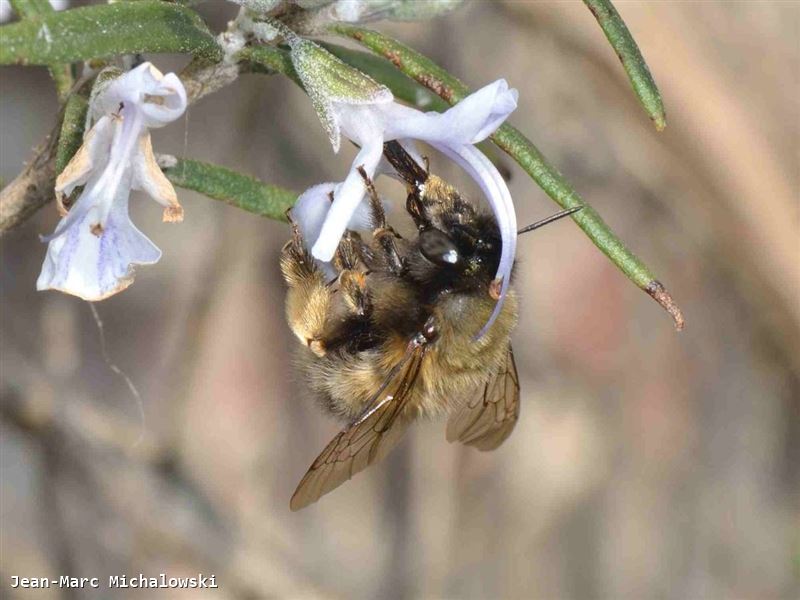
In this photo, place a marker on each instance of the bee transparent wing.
(488, 418)
(368, 439)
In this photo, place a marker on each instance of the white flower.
(370, 117)
(94, 248)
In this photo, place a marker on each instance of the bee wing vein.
(489, 417)
(368, 439)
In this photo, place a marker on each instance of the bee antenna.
(550, 219)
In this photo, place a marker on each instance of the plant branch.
(33, 187)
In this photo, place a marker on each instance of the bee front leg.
(352, 279)
(308, 300)
(385, 236)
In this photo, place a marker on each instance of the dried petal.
(148, 177)
(93, 154)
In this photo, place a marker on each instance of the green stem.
(516, 145)
(236, 189)
(632, 60)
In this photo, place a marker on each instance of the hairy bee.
(393, 336)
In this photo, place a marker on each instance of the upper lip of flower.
(372, 117)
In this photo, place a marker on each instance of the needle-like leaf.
(236, 189)
(106, 30)
(631, 57)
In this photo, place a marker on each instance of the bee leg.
(384, 235)
(352, 280)
(308, 300)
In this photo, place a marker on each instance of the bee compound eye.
(438, 248)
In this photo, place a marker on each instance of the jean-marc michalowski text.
(116, 581)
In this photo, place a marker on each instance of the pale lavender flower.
(353, 105)
(95, 246)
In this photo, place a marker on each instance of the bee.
(392, 337)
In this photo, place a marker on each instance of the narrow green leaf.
(61, 73)
(522, 150)
(106, 30)
(269, 60)
(632, 60)
(71, 136)
(236, 189)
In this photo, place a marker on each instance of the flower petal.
(310, 210)
(360, 124)
(148, 177)
(164, 102)
(92, 266)
(161, 98)
(470, 121)
(313, 206)
(92, 155)
(346, 201)
(494, 187)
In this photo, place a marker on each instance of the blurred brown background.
(646, 464)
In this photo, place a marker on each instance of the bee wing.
(488, 418)
(368, 439)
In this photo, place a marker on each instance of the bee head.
(458, 248)
(457, 255)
